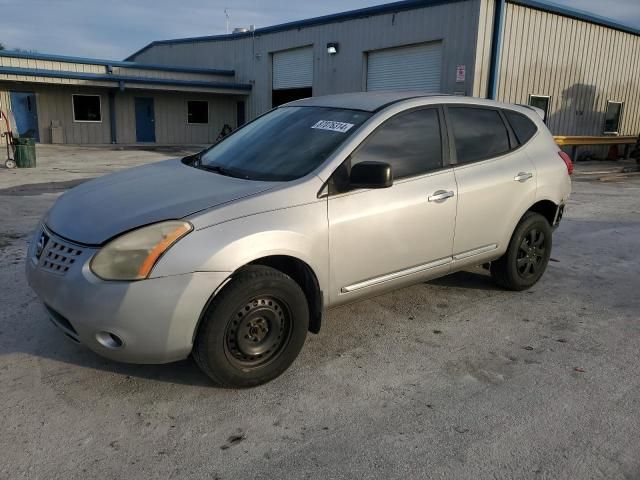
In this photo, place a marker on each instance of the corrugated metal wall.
(171, 117)
(483, 50)
(54, 103)
(51, 65)
(455, 24)
(75, 67)
(5, 105)
(579, 64)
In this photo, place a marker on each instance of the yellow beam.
(606, 140)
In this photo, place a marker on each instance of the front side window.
(542, 102)
(197, 112)
(285, 144)
(612, 117)
(87, 108)
(409, 142)
(479, 133)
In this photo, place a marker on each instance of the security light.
(332, 48)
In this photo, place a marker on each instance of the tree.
(1, 46)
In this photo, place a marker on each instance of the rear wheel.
(253, 329)
(528, 254)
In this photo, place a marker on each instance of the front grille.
(58, 256)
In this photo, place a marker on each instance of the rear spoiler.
(539, 111)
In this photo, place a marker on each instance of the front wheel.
(254, 328)
(528, 254)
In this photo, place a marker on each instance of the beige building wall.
(5, 106)
(54, 104)
(578, 64)
(171, 117)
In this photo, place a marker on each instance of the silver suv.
(233, 254)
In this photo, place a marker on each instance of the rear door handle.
(441, 195)
(523, 176)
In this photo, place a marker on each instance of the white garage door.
(418, 67)
(293, 68)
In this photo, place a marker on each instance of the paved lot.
(449, 379)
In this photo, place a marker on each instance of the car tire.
(253, 329)
(528, 254)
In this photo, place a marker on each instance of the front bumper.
(155, 318)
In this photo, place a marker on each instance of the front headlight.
(132, 255)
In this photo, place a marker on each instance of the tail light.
(567, 161)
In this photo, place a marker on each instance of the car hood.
(100, 209)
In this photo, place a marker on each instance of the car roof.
(367, 101)
(376, 101)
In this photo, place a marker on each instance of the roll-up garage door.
(417, 67)
(293, 68)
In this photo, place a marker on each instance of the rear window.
(479, 133)
(521, 125)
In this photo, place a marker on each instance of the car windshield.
(285, 144)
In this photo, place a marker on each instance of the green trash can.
(25, 152)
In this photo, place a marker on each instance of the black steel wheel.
(527, 256)
(258, 332)
(253, 329)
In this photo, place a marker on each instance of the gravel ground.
(449, 379)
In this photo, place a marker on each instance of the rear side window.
(479, 133)
(521, 125)
(409, 142)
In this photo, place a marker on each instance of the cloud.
(116, 28)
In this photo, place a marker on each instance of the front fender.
(300, 232)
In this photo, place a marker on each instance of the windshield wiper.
(220, 170)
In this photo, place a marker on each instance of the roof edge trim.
(35, 72)
(114, 63)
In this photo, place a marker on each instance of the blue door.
(145, 120)
(25, 113)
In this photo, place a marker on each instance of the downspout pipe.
(496, 49)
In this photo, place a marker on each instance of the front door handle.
(441, 195)
(523, 176)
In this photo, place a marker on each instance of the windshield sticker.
(333, 126)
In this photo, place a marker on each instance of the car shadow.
(475, 280)
(53, 345)
(34, 189)
(184, 372)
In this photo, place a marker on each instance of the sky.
(113, 29)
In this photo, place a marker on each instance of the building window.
(612, 117)
(87, 108)
(542, 102)
(197, 112)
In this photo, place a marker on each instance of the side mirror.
(371, 175)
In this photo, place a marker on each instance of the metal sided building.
(57, 99)
(583, 70)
